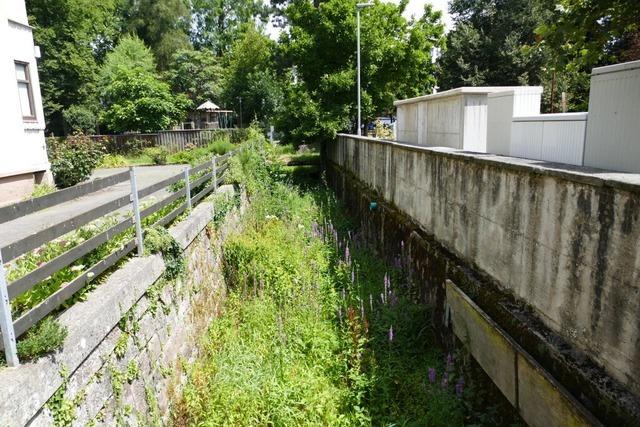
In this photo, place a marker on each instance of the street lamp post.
(358, 7)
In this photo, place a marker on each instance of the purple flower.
(347, 255)
(450, 360)
(353, 276)
(432, 375)
(445, 380)
(460, 387)
(391, 333)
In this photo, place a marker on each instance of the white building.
(23, 154)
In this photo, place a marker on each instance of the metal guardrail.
(9, 291)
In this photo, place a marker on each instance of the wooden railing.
(208, 173)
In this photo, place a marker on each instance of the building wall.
(563, 241)
(22, 143)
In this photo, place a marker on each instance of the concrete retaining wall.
(563, 241)
(122, 359)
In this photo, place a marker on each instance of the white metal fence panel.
(551, 137)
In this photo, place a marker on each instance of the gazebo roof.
(208, 106)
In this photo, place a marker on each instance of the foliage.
(113, 161)
(382, 131)
(42, 189)
(250, 78)
(47, 336)
(158, 155)
(138, 101)
(158, 240)
(220, 146)
(485, 47)
(396, 60)
(197, 74)
(73, 159)
(79, 119)
(130, 53)
(302, 340)
(162, 24)
(219, 23)
(73, 36)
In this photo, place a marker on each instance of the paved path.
(20, 228)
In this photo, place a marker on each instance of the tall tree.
(198, 74)
(162, 24)
(134, 98)
(485, 47)
(218, 23)
(73, 36)
(396, 60)
(250, 82)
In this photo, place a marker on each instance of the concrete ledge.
(580, 174)
(26, 389)
(538, 397)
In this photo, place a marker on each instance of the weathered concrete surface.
(539, 399)
(430, 262)
(565, 241)
(152, 329)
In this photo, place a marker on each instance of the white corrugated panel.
(526, 139)
(613, 131)
(563, 141)
(475, 123)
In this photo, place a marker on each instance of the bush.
(158, 155)
(79, 118)
(220, 146)
(74, 159)
(113, 161)
(158, 240)
(45, 337)
(43, 189)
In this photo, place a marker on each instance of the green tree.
(250, 77)
(162, 24)
(485, 47)
(396, 61)
(198, 74)
(217, 24)
(134, 97)
(73, 36)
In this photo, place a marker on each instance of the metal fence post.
(187, 187)
(136, 210)
(214, 173)
(6, 322)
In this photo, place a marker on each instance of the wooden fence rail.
(208, 174)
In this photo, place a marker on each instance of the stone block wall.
(123, 358)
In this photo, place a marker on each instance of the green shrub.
(158, 155)
(79, 118)
(74, 159)
(45, 337)
(43, 189)
(113, 161)
(220, 146)
(158, 240)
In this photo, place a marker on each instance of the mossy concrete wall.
(123, 358)
(523, 238)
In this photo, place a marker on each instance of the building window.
(25, 91)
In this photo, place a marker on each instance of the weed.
(48, 335)
(158, 240)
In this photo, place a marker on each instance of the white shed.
(23, 154)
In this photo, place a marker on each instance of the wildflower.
(391, 333)
(460, 387)
(432, 375)
(347, 255)
(353, 276)
(445, 380)
(79, 267)
(371, 302)
(382, 298)
(361, 309)
(450, 360)
(393, 300)
(90, 275)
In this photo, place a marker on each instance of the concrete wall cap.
(556, 117)
(625, 66)
(581, 174)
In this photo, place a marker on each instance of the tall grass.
(317, 330)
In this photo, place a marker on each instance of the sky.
(414, 8)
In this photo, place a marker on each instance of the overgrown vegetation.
(73, 159)
(45, 337)
(158, 240)
(317, 330)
